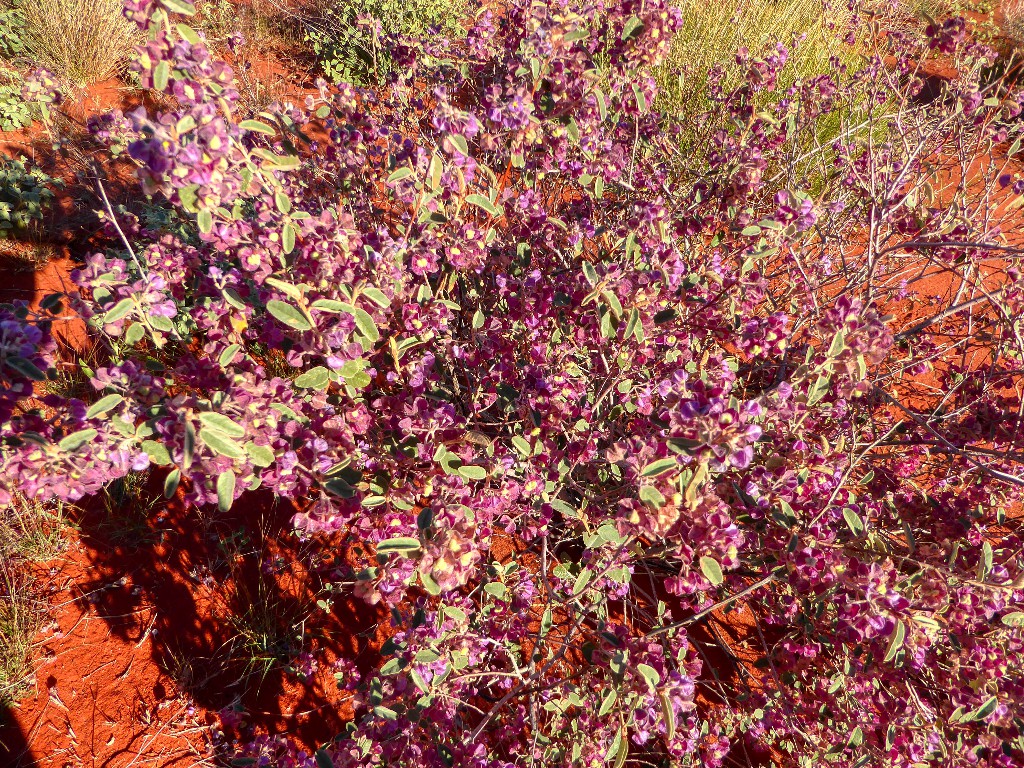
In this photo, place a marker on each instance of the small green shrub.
(12, 27)
(15, 112)
(349, 48)
(25, 194)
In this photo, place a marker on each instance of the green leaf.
(26, 368)
(459, 142)
(838, 344)
(288, 315)
(292, 291)
(985, 563)
(365, 324)
(103, 405)
(189, 448)
(752, 231)
(986, 709)
(659, 467)
(134, 334)
(278, 162)
(205, 221)
(335, 307)
(482, 202)
(853, 521)
(650, 674)
(221, 423)
(314, 378)
(712, 570)
(617, 751)
(400, 544)
(856, 737)
(284, 205)
(431, 586)
(228, 355)
(218, 443)
(179, 6)
(426, 656)
(566, 509)
(652, 497)
(161, 75)
(522, 446)
(122, 309)
(613, 302)
(899, 634)
(398, 175)
(171, 483)
(582, 581)
(1015, 619)
(157, 452)
(225, 490)
(288, 237)
(232, 297)
(819, 389)
(188, 33)
(478, 320)
(258, 126)
(377, 296)
(607, 701)
(76, 440)
(631, 323)
(496, 589)
(590, 273)
(323, 759)
(260, 455)
(340, 488)
(472, 472)
(632, 28)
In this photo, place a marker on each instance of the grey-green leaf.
(103, 405)
(225, 490)
(712, 570)
(315, 378)
(219, 443)
(221, 423)
(76, 440)
(399, 544)
(288, 315)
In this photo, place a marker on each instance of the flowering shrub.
(582, 403)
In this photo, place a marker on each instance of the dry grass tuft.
(80, 41)
(20, 619)
(1012, 23)
(712, 33)
(28, 531)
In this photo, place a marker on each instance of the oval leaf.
(221, 423)
(712, 570)
(225, 490)
(288, 315)
(103, 405)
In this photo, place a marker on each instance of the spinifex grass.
(80, 41)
